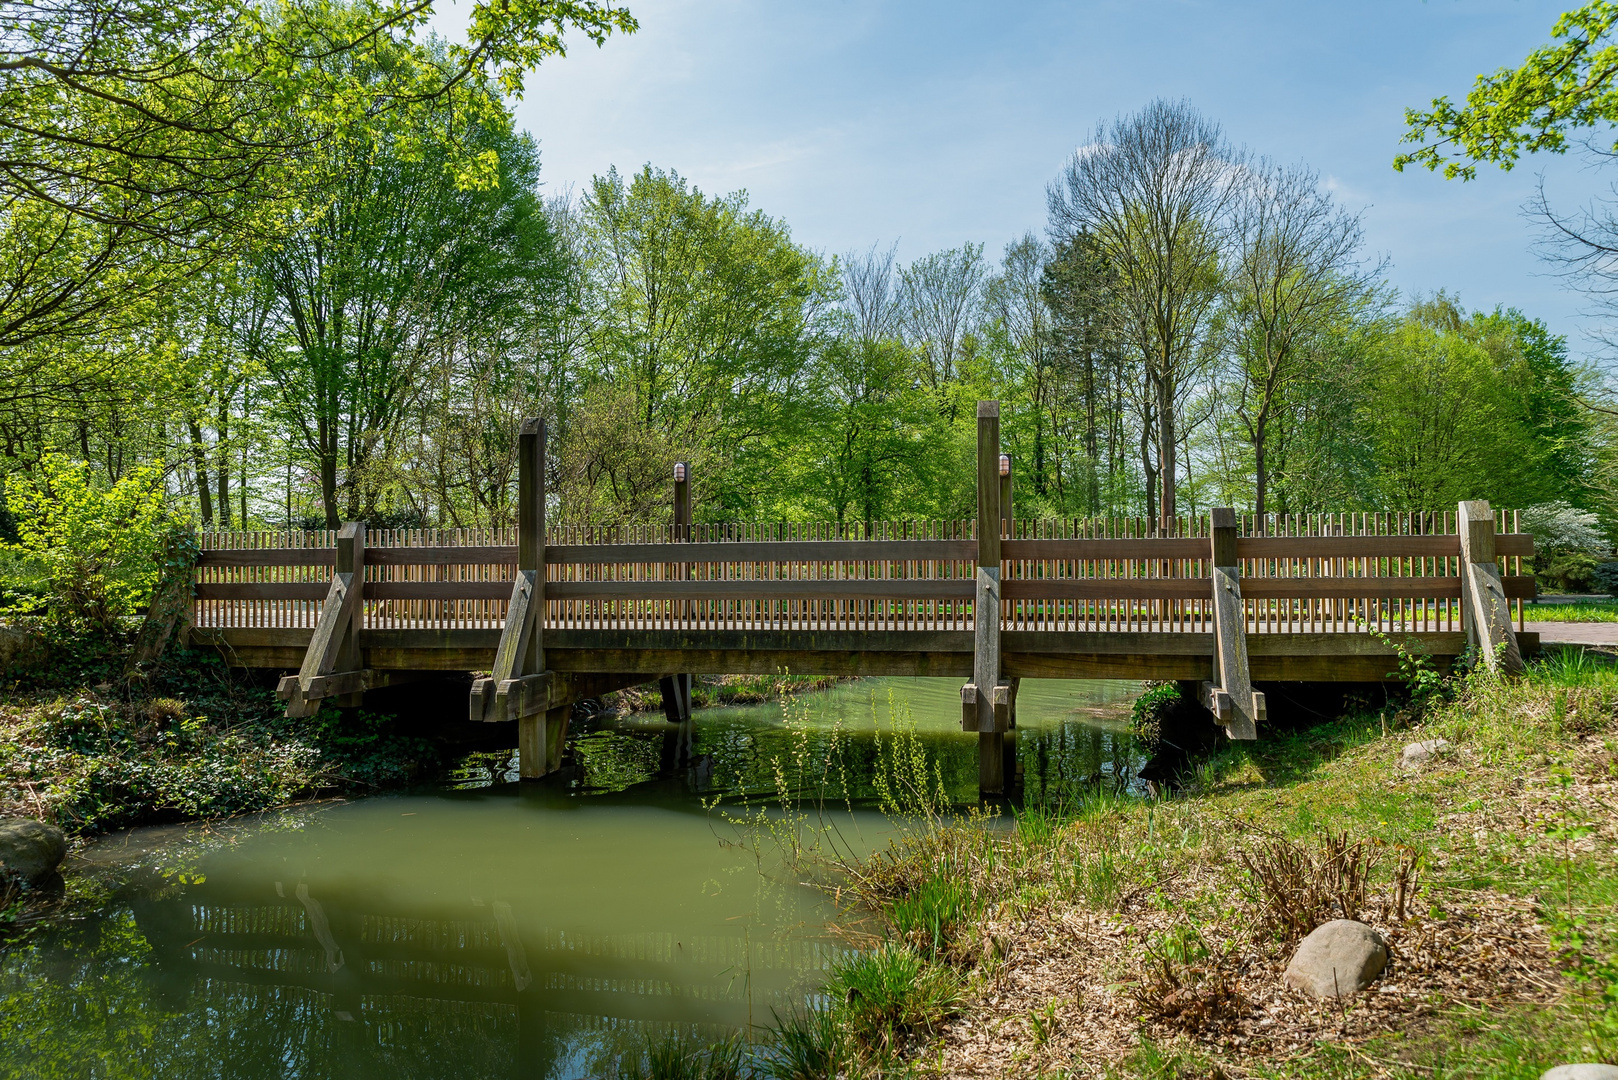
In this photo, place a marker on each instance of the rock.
(1337, 959)
(1582, 1072)
(21, 650)
(29, 849)
(1419, 753)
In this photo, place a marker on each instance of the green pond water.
(485, 928)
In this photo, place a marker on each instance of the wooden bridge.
(559, 613)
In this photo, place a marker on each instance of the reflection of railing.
(479, 955)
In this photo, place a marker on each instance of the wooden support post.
(335, 646)
(1230, 697)
(676, 688)
(991, 696)
(1485, 611)
(519, 687)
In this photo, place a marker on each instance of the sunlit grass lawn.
(1586, 611)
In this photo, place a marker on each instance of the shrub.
(892, 993)
(1605, 578)
(678, 1057)
(97, 546)
(806, 1045)
(1146, 715)
(932, 916)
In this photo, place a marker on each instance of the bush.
(892, 992)
(1605, 578)
(97, 546)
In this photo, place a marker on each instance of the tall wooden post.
(532, 750)
(1485, 611)
(676, 689)
(986, 608)
(1008, 737)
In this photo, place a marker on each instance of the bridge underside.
(1288, 657)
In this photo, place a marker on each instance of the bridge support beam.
(1485, 611)
(986, 702)
(331, 665)
(519, 687)
(1230, 696)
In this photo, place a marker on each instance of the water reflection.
(492, 929)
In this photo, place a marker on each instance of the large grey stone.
(1419, 753)
(30, 849)
(1582, 1072)
(1337, 959)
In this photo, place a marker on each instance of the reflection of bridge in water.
(1217, 603)
(374, 968)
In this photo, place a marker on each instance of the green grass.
(1585, 611)
(1521, 805)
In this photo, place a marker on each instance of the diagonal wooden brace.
(302, 691)
(502, 695)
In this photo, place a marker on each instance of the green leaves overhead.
(1560, 88)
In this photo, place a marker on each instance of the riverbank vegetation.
(88, 747)
(1126, 936)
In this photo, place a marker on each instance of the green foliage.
(100, 546)
(1605, 578)
(932, 916)
(1147, 712)
(892, 992)
(807, 1044)
(679, 1057)
(1558, 89)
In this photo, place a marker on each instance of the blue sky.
(934, 123)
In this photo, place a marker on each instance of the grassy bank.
(1126, 937)
(1132, 937)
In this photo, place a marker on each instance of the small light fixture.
(679, 472)
(1005, 464)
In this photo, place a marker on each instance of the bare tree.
(941, 295)
(1294, 273)
(870, 294)
(1153, 191)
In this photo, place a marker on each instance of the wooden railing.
(1328, 573)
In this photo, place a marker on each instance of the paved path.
(1575, 633)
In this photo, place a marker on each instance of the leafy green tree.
(98, 543)
(366, 293)
(706, 314)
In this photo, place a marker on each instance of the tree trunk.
(1166, 448)
(199, 462)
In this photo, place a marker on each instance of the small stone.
(1337, 959)
(30, 849)
(1585, 1071)
(1419, 753)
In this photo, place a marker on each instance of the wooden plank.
(1333, 547)
(747, 551)
(262, 590)
(855, 588)
(1436, 588)
(487, 555)
(1152, 547)
(437, 590)
(986, 642)
(331, 639)
(323, 556)
(1230, 659)
(1514, 544)
(1106, 588)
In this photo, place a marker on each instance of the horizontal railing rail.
(1342, 572)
